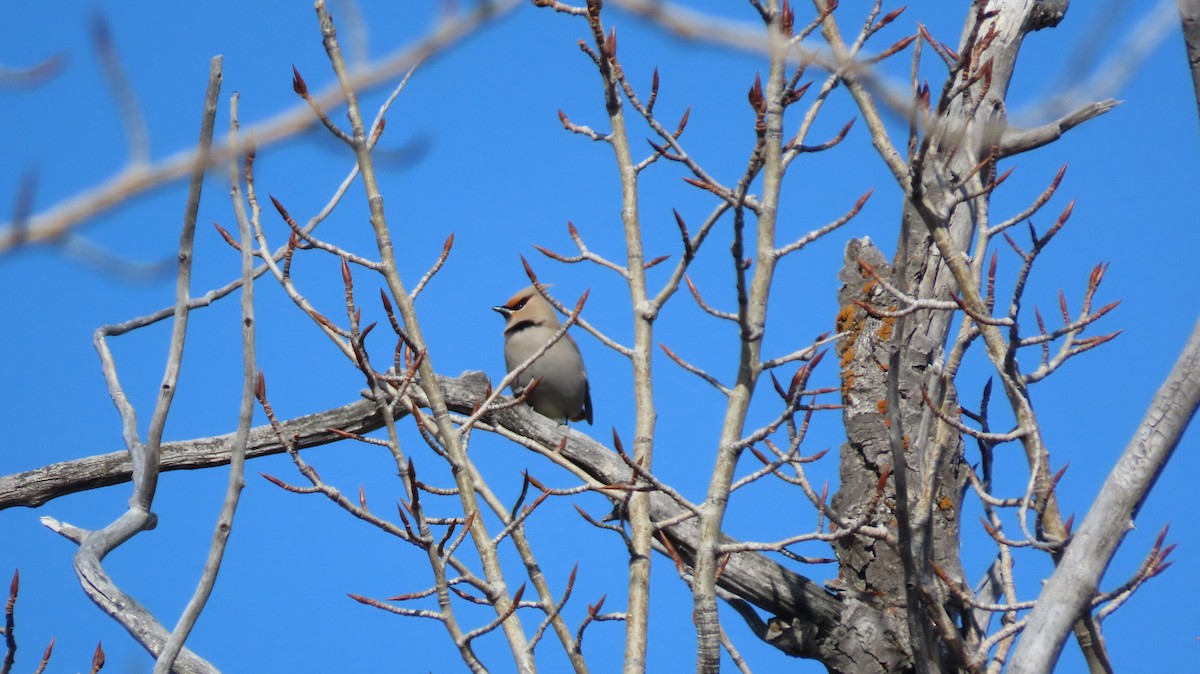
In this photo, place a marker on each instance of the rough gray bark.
(35, 487)
(964, 131)
(872, 569)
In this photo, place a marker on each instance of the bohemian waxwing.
(563, 393)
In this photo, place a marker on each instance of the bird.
(562, 393)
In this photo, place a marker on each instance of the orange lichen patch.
(905, 439)
(944, 503)
(847, 384)
(846, 318)
(881, 406)
(888, 324)
(849, 320)
(847, 356)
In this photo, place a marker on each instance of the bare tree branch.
(137, 179)
(95, 545)
(237, 481)
(1074, 582)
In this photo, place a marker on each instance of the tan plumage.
(563, 393)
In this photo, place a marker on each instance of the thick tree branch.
(752, 576)
(35, 487)
(1016, 141)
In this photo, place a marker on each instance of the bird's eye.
(521, 304)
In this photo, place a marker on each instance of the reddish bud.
(1159, 569)
(899, 45)
(925, 33)
(679, 221)
(279, 207)
(298, 84)
(657, 260)
(798, 381)
(593, 610)
(1058, 476)
(582, 301)
(228, 237)
(988, 527)
(778, 387)
(1067, 212)
(534, 481)
(529, 270)
(1162, 536)
(98, 658)
(617, 444)
(1097, 275)
(756, 95)
(798, 93)
(1002, 177)
(683, 121)
(890, 17)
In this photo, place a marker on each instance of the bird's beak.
(503, 311)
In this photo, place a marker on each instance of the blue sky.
(474, 146)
